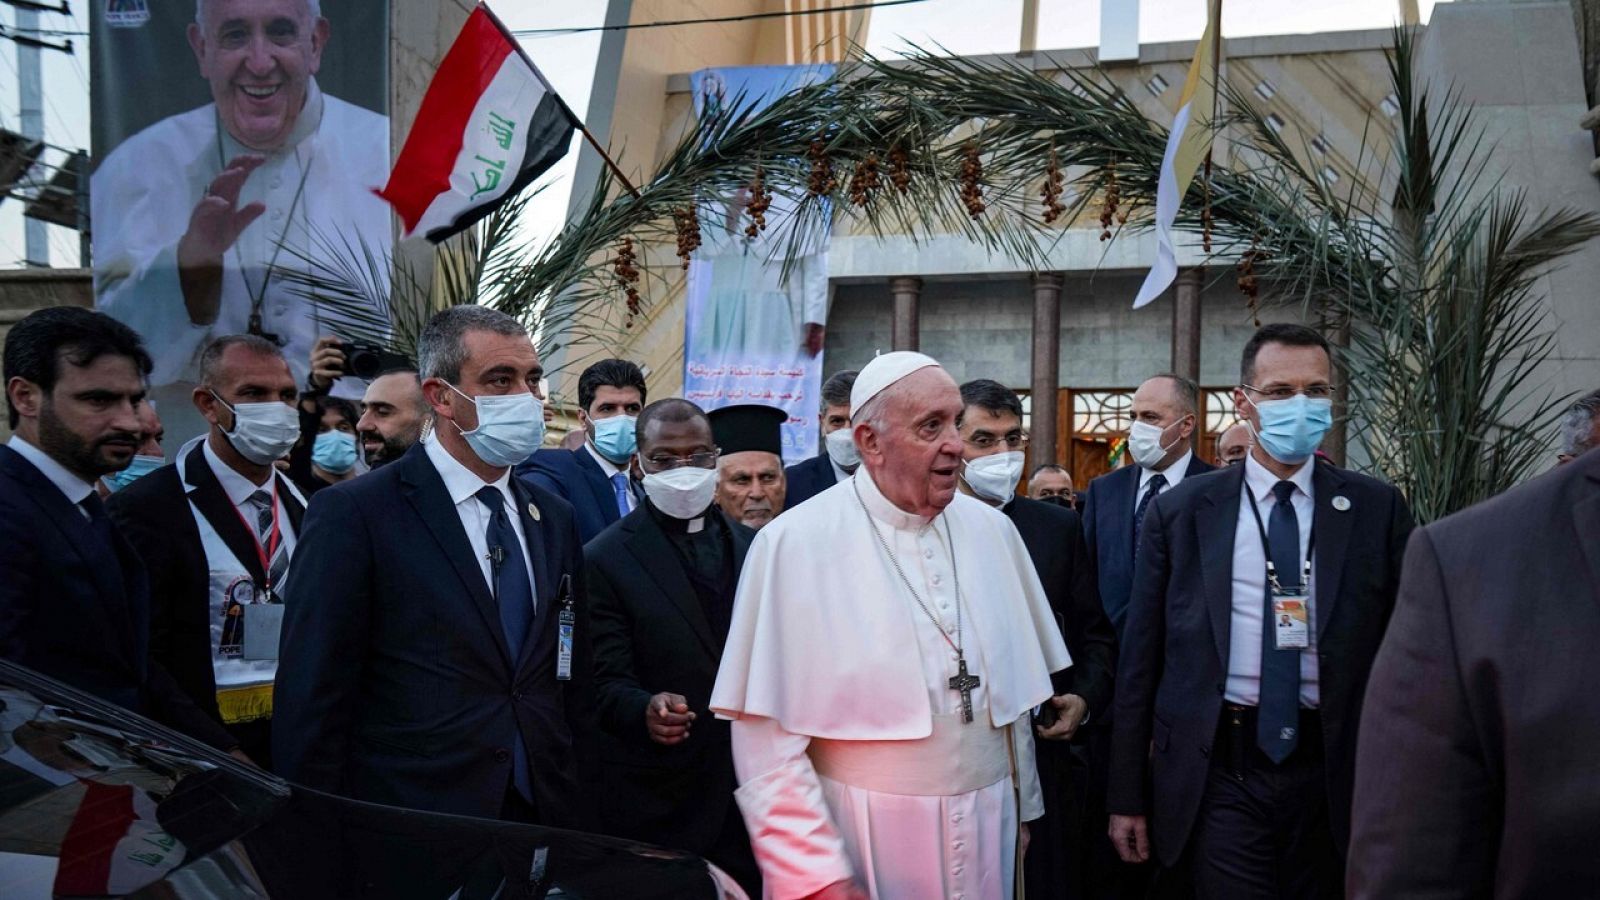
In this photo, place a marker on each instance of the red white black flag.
(489, 125)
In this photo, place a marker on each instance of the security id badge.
(263, 622)
(564, 627)
(1291, 619)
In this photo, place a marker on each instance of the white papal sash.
(957, 758)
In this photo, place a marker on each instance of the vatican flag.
(1187, 146)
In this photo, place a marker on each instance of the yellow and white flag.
(1186, 149)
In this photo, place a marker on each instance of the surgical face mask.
(510, 427)
(334, 452)
(841, 446)
(994, 477)
(1291, 429)
(1144, 443)
(615, 437)
(140, 467)
(682, 493)
(262, 432)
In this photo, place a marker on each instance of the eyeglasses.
(1315, 391)
(1014, 440)
(662, 462)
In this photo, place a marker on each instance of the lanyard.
(275, 538)
(1266, 550)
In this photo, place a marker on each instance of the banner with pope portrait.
(234, 142)
(750, 334)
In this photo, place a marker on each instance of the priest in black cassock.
(661, 588)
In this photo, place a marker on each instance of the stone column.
(1186, 323)
(907, 293)
(1045, 382)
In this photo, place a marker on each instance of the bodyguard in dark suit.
(991, 435)
(594, 478)
(1476, 769)
(206, 527)
(837, 459)
(1260, 600)
(74, 595)
(436, 641)
(661, 582)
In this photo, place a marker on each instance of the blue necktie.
(619, 485)
(514, 595)
(1157, 482)
(1278, 719)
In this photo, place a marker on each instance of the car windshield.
(96, 803)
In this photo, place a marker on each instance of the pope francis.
(198, 215)
(889, 641)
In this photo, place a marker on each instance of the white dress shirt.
(463, 487)
(1173, 473)
(74, 488)
(240, 489)
(612, 470)
(1250, 585)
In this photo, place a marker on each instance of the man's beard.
(82, 458)
(392, 449)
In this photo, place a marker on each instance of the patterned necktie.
(278, 565)
(514, 595)
(619, 486)
(1278, 719)
(1157, 482)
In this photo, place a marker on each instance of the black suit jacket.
(1476, 775)
(1174, 665)
(1054, 539)
(651, 635)
(74, 609)
(806, 479)
(154, 513)
(395, 684)
(1108, 506)
(575, 477)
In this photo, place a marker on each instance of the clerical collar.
(673, 525)
(309, 120)
(881, 508)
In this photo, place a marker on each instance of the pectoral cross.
(966, 683)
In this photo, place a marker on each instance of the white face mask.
(1144, 443)
(995, 477)
(262, 432)
(682, 493)
(841, 446)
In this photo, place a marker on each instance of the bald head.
(1233, 445)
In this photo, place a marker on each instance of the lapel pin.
(1340, 502)
(533, 511)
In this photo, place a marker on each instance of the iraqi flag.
(489, 125)
(1187, 146)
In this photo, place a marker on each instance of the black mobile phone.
(1047, 714)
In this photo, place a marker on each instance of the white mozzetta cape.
(823, 639)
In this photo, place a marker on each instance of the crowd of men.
(880, 672)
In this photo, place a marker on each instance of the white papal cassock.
(847, 740)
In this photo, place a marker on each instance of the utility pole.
(30, 106)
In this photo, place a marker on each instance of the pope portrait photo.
(275, 170)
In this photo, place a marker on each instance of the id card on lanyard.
(263, 619)
(1291, 605)
(566, 624)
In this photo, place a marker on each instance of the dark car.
(96, 802)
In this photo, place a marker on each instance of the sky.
(568, 62)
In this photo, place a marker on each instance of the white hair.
(312, 6)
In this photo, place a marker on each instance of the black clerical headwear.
(749, 426)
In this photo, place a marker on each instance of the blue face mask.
(1291, 429)
(615, 438)
(334, 452)
(510, 427)
(140, 467)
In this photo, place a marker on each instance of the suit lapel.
(1586, 518)
(1331, 530)
(1118, 515)
(656, 555)
(425, 491)
(540, 554)
(1216, 519)
(213, 503)
(599, 485)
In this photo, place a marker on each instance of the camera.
(368, 361)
